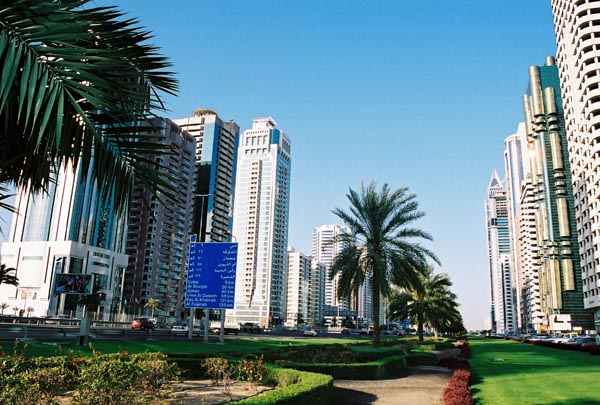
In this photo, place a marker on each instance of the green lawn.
(506, 372)
(231, 348)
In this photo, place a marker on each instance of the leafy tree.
(153, 304)
(6, 277)
(78, 85)
(427, 302)
(382, 248)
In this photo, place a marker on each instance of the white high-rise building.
(498, 239)
(516, 164)
(324, 250)
(260, 224)
(298, 284)
(577, 34)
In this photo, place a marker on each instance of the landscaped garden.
(508, 372)
(136, 372)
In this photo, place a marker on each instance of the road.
(69, 329)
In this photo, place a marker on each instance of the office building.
(559, 282)
(516, 164)
(216, 155)
(576, 24)
(71, 229)
(158, 231)
(503, 308)
(324, 250)
(316, 293)
(298, 284)
(260, 224)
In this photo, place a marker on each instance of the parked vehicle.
(583, 341)
(346, 331)
(142, 323)
(309, 332)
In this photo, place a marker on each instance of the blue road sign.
(211, 275)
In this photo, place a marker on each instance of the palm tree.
(428, 302)
(78, 84)
(381, 248)
(3, 306)
(153, 304)
(6, 278)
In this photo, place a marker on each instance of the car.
(583, 341)
(179, 330)
(250, 327)
(309, 332)
(142, 323)
(346, 331)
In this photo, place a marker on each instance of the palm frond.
(76, 84)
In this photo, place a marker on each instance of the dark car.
(250, 327)
(142, 323)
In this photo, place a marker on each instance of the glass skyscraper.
(71, 229)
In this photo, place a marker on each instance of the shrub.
(458, 391)
(108, 380)
(252, 370)
(295, 387)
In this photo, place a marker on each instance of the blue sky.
(418, 94)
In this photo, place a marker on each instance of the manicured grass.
(231, 348)
(507, 372)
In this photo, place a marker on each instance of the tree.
(3, 306)
(79, 85)
(153, 304)
(6, 278)
(427, 302)
(381, 248)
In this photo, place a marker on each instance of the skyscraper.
(216, 155)
(576, 24)
(71, 229)
(260, 224)
(503, 311)
(560, 288)
(158, 233)
(324, 250)
(516, 164)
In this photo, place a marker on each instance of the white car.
(179, 330)
(309, 332)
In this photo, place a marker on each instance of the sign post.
(210, 277)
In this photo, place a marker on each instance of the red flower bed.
(458, 391)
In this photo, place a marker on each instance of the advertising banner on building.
(67, 283)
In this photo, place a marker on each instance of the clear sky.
(419, 94)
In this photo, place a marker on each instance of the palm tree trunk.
(420, 326)
(376, 302)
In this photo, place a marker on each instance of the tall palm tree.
(382, 248)
(3, 306)
(153, 303)
(427, 302)
(78, 84)
(6, 277)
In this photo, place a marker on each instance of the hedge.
(373, 370)
(293, 387)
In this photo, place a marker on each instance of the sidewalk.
(423, 386)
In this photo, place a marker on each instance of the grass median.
(507, 372)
